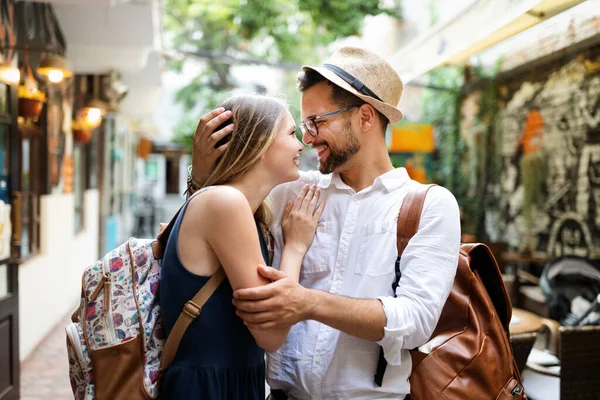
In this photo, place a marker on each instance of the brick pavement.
(45, 373)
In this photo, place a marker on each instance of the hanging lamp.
(95, 108)
(9, 74)
(55, 68)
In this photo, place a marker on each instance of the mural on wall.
(549, 187)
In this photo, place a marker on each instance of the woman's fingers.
(300, 198)
(319, 211)
(307, 198)
(313, 202)
(288, 208)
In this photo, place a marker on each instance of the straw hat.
(366, 75)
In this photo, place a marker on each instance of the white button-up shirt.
(353, 254)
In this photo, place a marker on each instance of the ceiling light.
(55, 68)
(9, 74)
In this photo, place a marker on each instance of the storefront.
(48, 206)
(9, 293)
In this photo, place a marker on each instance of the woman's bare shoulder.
(219, 202)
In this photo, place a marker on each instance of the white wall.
(50, 283)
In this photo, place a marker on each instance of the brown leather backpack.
(468, 355)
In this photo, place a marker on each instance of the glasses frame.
(304, 127)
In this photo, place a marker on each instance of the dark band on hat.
(352, 81)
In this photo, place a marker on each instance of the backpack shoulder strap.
(410, 215)
(191, 311)
(160, 243)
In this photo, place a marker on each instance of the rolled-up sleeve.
(428, 268)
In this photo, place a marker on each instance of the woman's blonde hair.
(257, 120)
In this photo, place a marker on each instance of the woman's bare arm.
(225, 221)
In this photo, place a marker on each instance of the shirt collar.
(391, 180)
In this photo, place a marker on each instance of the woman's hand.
(300, 219)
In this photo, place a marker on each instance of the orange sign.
(411, 137)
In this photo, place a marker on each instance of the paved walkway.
(45, 374)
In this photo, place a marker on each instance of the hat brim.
(392, 113)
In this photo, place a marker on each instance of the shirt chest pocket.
(377, 252)
(318, 255)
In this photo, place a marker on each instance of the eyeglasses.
(310, 125)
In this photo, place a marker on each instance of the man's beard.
(339, 157)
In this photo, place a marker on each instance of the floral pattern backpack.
(115, 342)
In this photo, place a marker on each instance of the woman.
(222, 225)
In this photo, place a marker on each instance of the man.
(344, 309)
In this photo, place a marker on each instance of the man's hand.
(204, 154)
(279, 304)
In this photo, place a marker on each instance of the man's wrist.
(192, 185)
(313, 299)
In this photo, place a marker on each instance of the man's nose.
(307, 138)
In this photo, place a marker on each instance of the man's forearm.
(363, 318)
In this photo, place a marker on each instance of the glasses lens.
(302, 127)
(312, 128)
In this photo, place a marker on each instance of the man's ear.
(368, 117)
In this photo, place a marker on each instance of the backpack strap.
(409, 215)
(160, 243)
(408, 224)
(191, 311)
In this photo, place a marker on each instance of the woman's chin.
(293, 176)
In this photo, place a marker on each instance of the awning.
(480, 25)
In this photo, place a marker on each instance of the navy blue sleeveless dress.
(218, 357)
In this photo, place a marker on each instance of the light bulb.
(94, 115)
(10, 75)
(55, 75)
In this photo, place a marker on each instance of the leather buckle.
(192, 309)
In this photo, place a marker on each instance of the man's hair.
(339, 96)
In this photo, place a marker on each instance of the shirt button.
(344, 236)
(318, 360)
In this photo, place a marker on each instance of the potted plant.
(82, 130)
(31, 99)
